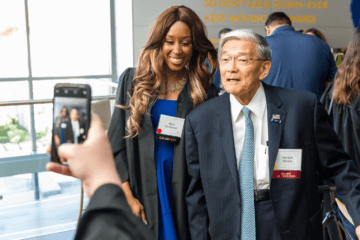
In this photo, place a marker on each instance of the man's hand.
(91, 161)
(357, 229)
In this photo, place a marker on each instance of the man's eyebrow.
(236, 53)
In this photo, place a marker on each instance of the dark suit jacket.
(69, 134)
(135, 160)
(108, 216)
(213, 198)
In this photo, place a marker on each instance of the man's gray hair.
(262, 47)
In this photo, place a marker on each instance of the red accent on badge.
(158, 131)
(286, 174)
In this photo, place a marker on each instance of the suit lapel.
(275, 129)
(223, 126)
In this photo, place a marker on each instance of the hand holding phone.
(92, 161)
(71, 115)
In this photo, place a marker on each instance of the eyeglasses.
(241, 60)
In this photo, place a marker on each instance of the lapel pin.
(276, 118)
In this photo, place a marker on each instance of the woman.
(60, 125)
(315, 32)
(170, 79)
(342, 100)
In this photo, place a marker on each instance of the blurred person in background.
(342, 101)
(170, 79)
(299, 61)
(60, 125)
(315, 32)
(216, 77)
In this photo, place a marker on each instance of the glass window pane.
(15, 131)
(13, 46)
(73, 40)
(44, 89)
(11, 91)
(16, 189)
(54, 185)
(15, 128)
(15, 124)
(57, 210)
(43, 126)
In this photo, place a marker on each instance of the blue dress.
(62, 131)
(164, 155)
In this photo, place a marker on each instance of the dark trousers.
(266, 226)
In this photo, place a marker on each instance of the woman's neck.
(174, 77)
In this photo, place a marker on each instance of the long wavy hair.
(61, 118)
(347, 78)
(149, 76)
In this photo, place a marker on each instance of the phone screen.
(70, 120)
(71, 116)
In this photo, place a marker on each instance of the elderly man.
(75, 129)
(260, 182)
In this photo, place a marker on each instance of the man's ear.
(268, 30)
(265, 69)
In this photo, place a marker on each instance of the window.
(42, 43)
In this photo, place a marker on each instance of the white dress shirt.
(258, 115)
(75, 127)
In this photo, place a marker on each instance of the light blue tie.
(246, 171)
(75, 138)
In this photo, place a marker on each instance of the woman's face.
(177, 47)
(310, 33)
(63, 112)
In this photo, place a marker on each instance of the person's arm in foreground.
(108, 215)
(335, 165)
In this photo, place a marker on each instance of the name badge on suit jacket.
(169, 129)
(288, 164)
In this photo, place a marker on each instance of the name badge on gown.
(288, 164)
(169, 129)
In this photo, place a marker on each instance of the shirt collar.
(282, 28)
(257, 105)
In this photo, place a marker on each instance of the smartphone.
(71, 115)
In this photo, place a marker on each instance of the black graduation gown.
(346, 122)
(135, 160)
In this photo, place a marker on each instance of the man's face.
(241, 69)
(74, 115)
